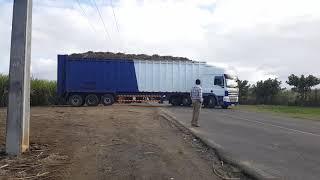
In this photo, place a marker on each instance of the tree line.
(270, 91)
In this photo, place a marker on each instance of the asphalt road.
(277, 147)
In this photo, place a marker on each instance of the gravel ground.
(116, 142)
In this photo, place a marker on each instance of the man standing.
(196, 97)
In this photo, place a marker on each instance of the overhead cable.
(83, 12)
(114, 16)
(104, 25)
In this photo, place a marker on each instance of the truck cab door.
(207, 84)
(219, 86)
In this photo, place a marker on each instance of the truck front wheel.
(107, 99)
(211, 102)
(76, 100)
(224, 106)
(92, 100)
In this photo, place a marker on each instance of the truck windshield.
(231, 81)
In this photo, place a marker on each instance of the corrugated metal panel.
(61, 74)
(167, 76)
(100, 76)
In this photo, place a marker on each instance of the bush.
(313, 98)
(285, 97)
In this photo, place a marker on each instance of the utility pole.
(17, 130)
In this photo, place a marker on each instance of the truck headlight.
(226, 99)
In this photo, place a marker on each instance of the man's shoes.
(195, 125)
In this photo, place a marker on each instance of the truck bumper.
(230, 103)
(227, 101)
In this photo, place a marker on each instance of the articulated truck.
(92, 81)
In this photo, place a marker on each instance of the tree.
(266, 90)
(243, 90)
(302, 85)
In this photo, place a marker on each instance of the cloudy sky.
(257, 39)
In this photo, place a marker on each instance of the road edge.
(222, 154)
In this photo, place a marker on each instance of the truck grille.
(233, 99)
(233, 95)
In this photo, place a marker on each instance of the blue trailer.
(93, 81)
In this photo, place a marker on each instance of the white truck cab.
(224, 89)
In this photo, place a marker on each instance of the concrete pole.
(17, 130)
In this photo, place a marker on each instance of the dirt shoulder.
(116, 142)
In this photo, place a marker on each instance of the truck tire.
(92, 100)
(212, 102)
(186, 101)
(76, 100)
(107, 99)
(224, 106)
(176, 100)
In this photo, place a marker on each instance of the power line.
(104, 25)
(85, 14)
(114, 16)
(116, 22)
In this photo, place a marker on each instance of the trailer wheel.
(107, 99)
(92, 100)
(76, 100)
(186, 101)
(212, 102)
(176, 100)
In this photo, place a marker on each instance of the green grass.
(291, 111)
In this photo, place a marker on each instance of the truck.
(93, 81)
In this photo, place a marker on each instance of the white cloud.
(257, 39)
(44, 68)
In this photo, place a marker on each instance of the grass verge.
(312, 113)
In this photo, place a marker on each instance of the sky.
(256, 39)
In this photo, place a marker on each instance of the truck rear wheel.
(76, 100)
(92, 100)
(186, 101)
(107, 99)
(176, 100)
